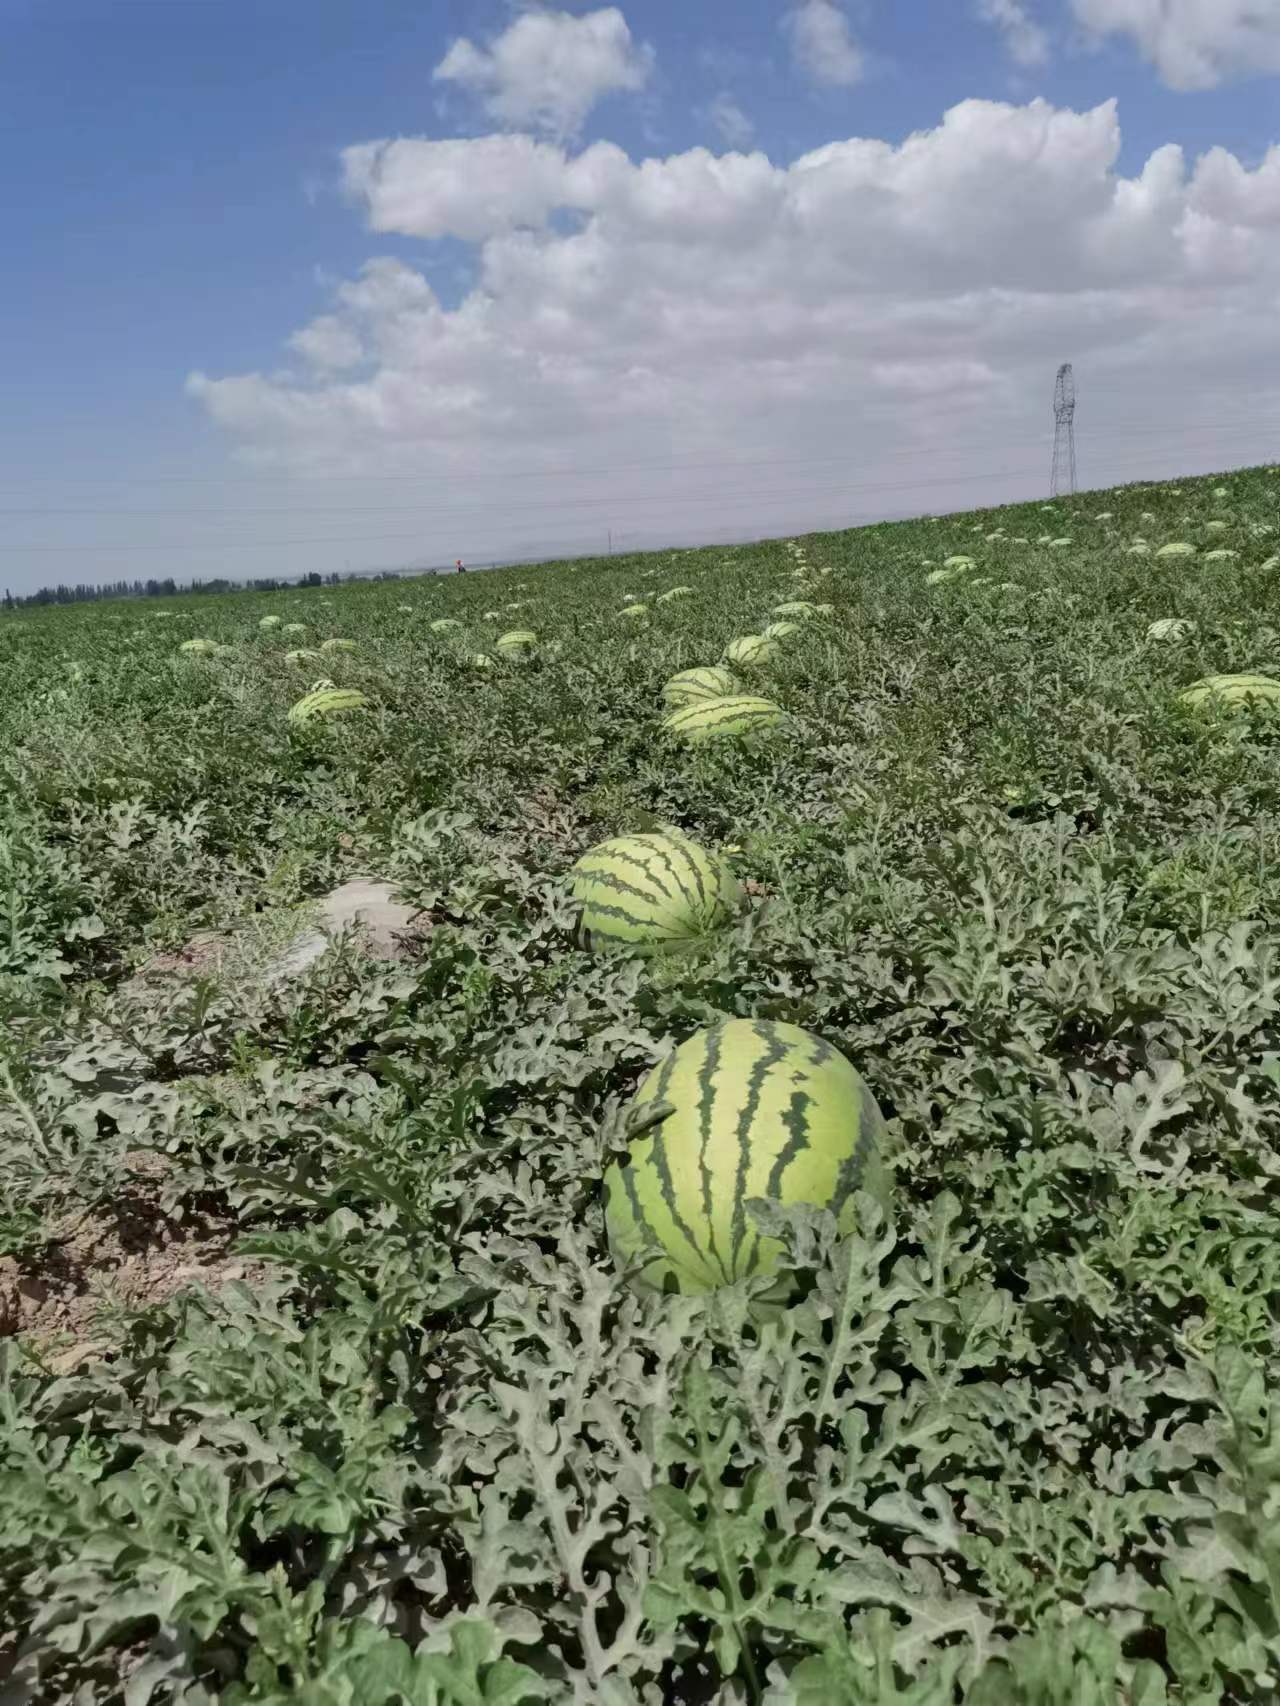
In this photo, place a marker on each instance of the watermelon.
(1179, 548)
(720, 719)
(198, 648)
(269, 622)
(338, 646)
(294, 628)
(794, 607)
(1170, 628)
(758, 1109)
(652, 892)
(1235, 692)
(781, 630)
(327, 702)
(693, 685)
(302, 656)
(750, 649)
(517, 641)
(674, 592)
(443, 624)
(480, 660)
(641, 610)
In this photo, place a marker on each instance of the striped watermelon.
(693, 685)
(270, 622)
(443, 624)
(198, 648)
(674, 592)
(294, 628)
(781, 630)
(795, 607)
(640, 610)
(652, 892)
(1234, 692)
(1171, 628)
(302, 656)
(750, 649)
(480, 660)
(327, 702)
(719, 719)
(338, 646)
(759, 1109)
(517, 641)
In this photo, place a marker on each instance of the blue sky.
(173, 206)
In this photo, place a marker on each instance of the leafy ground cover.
(319, 1383)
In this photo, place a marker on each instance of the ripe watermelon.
(302, 656)
(198, 648)
(327, 702)
(270, 622)
(641, 610)
(795, 607)
(691, 686)
(517, 641)
(719, 719)
(750, 649)
(1234, 692)
(338, 646)
(674, 592)
(294, 628)
(760, 1109)
(1171, 628)
(652, 892)
(781, 630)
(443, 624)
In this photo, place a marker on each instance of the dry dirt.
(124, 1256)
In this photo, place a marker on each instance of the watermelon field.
(420, 1329)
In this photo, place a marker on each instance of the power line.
(1063, 477)
(926, 481)
(574, 472)
(613, 500)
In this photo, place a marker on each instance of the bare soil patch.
(123, 1257)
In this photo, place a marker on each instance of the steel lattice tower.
(1063, 478)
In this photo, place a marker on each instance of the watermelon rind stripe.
(774, 1051)
(708, 1081)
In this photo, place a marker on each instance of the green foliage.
(1017, 1445)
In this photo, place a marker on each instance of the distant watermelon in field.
(1170, 628)
(693, 685)
(480, 660)
(640, 610)
(198, 648)
(749, 650)
(731, 717)
(301, 656)
(327, 702)
(759, 1109)
(517, 642)
(270, 622)
(652, 892)
(445, 624)
(1234, 692)
(1179, 548)
(674, 592)
(781, 630)
(338, 646)
(795, 607)
(294, 628)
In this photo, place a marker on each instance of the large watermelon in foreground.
(760, 1109)
(1234, 692)
(652, 892)
(722, 719)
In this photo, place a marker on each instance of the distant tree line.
(83, 593)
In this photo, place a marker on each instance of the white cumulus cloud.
(1026, 40)
(822, 43)
(871, 327)
(1193, 44)
(548, 69)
